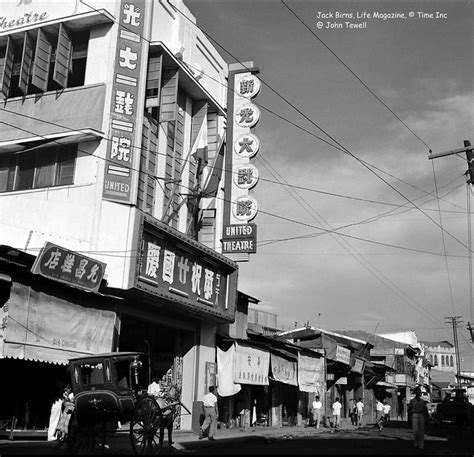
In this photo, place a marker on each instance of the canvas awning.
(41, 327)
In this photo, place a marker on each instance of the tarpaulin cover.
(46, 328)
(284, 370)
(225, 373)
(310, 373)
(251, 365)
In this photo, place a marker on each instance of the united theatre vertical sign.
(241, 175)
(122, 147)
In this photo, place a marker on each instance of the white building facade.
(112, 147)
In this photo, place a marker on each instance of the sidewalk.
(186, 436)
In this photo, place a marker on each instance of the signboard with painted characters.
(69, 267)
(180, 270)
(122, 148)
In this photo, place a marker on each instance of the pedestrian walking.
(379, 414)
(360, 411)
(386, 411)
(317, 408)
(417, 414)
(211, 413)
(353, 411)
(336, 412)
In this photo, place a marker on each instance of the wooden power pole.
(468, 149)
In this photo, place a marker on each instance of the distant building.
(442, 355)
(263, 322)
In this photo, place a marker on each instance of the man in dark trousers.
(209, 402)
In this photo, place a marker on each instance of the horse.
(169, 402)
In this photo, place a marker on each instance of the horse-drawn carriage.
(107, 391)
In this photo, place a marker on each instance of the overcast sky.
(392, 274)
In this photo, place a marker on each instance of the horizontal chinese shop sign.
(239, 238)
(69, 267)
(182, 270)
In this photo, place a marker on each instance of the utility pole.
(468, 149)
(455, 320)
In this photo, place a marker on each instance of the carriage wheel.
(144, 426)
(82, 436)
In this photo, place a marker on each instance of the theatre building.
(111, 192)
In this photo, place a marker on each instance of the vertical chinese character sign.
(245, 145)
(121, 146)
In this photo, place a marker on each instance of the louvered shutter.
(169, 96)
(7, 68)
(26, 63)
(199, 115)
(63, 57)
(43, 52)
(153, 82)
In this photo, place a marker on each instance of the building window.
(431, 359)
(46, 167)
(436, 360)
(442, 360)
(452, 361)
(43, 59)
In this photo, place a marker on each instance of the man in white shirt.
(209, 403)
(386, 411)
(336, 412)
(317, 408)
(360, 411)
(379, 414)
(154, 388)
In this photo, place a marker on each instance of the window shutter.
(199, 114)
(169, 96)
(63, 57)
(153, 82)
(43, 52)
(26, 63)
(6, 76)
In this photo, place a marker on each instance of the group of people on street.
(356, 412)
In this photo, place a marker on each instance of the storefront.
(183, 291)
(43, 324)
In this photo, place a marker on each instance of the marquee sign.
(122, 148)
(172, 267)
(243, 207)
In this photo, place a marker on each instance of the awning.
(46, 328)
(284, 370)
(45, 141)
(251, 365)
(195, 89)
(386, 384)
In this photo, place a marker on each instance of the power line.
(367, 265)
(141, 148)
(352, 72)
(325, 132)
(444, 242)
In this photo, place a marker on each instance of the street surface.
(392, 440)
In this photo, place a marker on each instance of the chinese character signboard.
(343, 355)
(251, 365)
(310, 373)
(69, 267)
(242, 208)
(284, 370)
(122, 147)
(240, 238)
(358, 366)
(177, 270)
